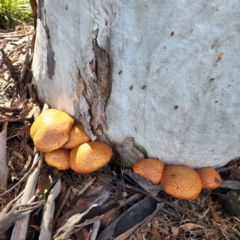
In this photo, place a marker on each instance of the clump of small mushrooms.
(65, 143)
(178, 181)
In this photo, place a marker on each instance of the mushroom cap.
(58, 158)
(181, 182)
(51, 130)
(77, 137)
(211, 179)
(89, 157)
(149, 168)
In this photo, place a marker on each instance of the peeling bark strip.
(101, 83)
(82, 108)
(93, 93)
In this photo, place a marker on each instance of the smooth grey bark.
(174, 74)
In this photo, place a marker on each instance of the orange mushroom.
(181, 182)
(149, 168)
(89, 157)
(211, 179)
(58, 158)
(51, 130)
(77, 137)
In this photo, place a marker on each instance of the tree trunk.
(163, 72)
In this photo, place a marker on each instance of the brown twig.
(181, 209)
(24, 177)
(61, 206)
(22, 79)
(86, 186)
(33, 4)
(8, 63)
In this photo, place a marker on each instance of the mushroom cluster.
(178, 181)
(65, 143)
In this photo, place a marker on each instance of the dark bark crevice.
(93, 93)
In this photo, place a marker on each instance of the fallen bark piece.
(96, 226)
(21, 226)
(141, 224)
(14, 211)
(230, 184)
(107, 232)
(68, 227)
(48, 213)
(3, 163)
(134, 215)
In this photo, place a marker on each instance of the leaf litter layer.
(112, 203)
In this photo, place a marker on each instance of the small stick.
(181, 209)
(61, 206)
(86, 186)
(8, 63)
(24, 69)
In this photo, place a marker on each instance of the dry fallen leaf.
(187, 227)
(218, 218)
(19, 155)
(43, 182)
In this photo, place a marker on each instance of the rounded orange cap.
(149, 168)
(89, 157)
(51, 130)
(211, 179)
(181, 182)
(58, 158)
(77, 137)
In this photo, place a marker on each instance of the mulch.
(112, 200)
